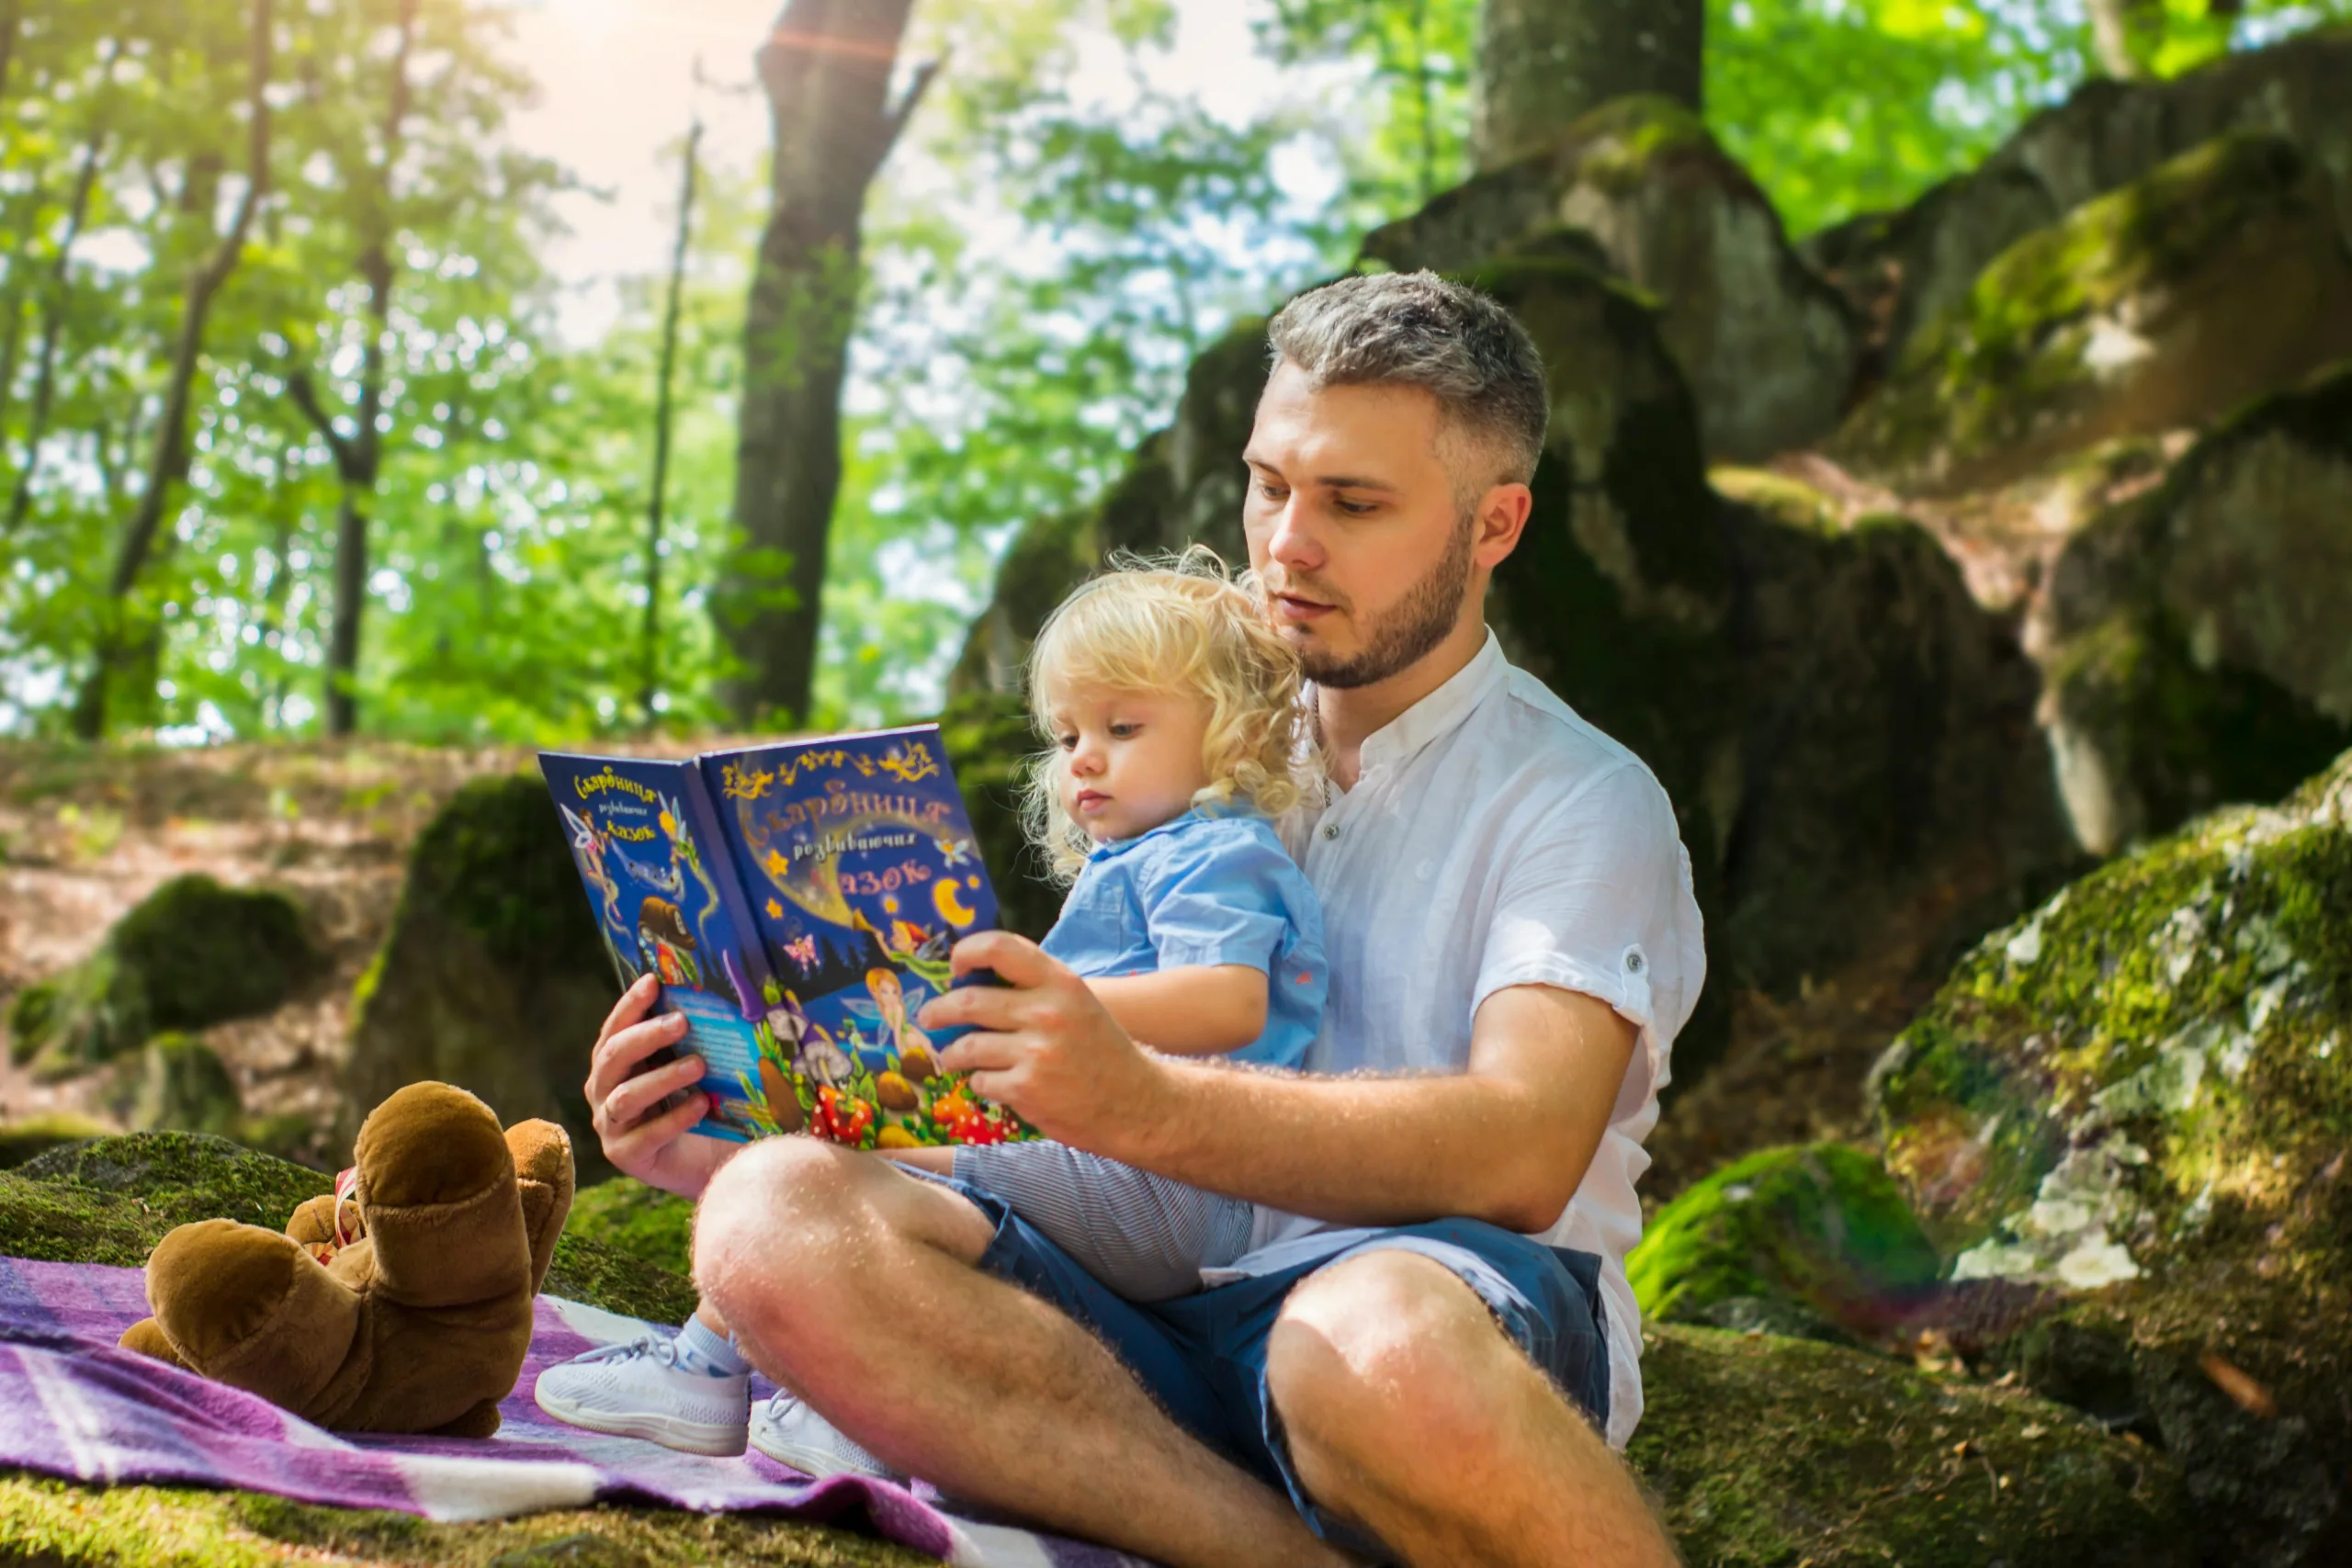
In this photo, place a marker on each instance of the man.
(1513, 945)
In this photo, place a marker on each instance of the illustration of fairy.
(917, 1061)
(588, 852)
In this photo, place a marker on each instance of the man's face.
(1357, 529)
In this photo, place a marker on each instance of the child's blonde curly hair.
(1182, 625)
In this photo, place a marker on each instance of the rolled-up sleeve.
(1595, 898)
(1219, 897)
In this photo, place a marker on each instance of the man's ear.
(1501, 519)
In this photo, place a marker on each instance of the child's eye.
(1066, 742)
(1123, 730)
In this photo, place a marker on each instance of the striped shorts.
(1145, 1237)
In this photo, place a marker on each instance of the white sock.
(712, 1354)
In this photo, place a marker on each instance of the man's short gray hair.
(1415, 329)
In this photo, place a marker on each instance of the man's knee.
(765, 1216)
(1387, 1351)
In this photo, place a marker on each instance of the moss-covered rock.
(2213, 278)
(176, 1083)
(190, 954)
(1767, 347)
(1900, 270)
(2193, 637)
(493, 976)
(1773, 1452)
(34, 1136)
(1819, 1228)
(2138, 1102)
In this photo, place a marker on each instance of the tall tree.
(1543, 63)
(120, 635)
(358, 453)
(649, 692)
(827, 71)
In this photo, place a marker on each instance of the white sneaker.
(638, 1389)
(788, 1432)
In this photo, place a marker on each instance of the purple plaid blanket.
(72, 1405)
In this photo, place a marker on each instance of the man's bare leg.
(1408, 1411)
(853, 1283)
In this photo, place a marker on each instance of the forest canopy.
(298, 435)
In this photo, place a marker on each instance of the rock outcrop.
(1767, 348)
(2213, 278)
(2196, 637)
(1903, 269)
(2132, 1112)
(494, 977)
(190, 954)
(1847, 738)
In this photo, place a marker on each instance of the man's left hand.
(1042, 1044)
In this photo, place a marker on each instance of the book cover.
(663, 888)
(860, 870)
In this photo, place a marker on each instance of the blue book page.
(857, 856)
(661, 883)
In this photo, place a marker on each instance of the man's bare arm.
(1198, 1010)
(1507, 1141)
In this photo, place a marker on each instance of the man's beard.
(1421, 621)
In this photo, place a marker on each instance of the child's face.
(1129, 761)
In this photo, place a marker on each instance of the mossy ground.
(55, 1524)
(1771, 1451)
(636, 1221)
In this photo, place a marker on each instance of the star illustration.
(775, 910)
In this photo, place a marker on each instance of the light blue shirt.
(1204, 889)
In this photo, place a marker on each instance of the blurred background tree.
(409, 491)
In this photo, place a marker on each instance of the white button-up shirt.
(1495, 839)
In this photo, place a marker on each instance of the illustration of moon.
(949, 900)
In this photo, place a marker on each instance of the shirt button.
(1331, 829)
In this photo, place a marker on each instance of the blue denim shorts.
(1203, 1357)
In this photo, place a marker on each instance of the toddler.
(1172, 709)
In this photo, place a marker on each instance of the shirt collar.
(1439, 714)
(1115, 847)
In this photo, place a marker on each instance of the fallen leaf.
(2243, 1389)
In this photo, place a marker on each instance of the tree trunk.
(56, 296)
(167, 465)
(2112, 24)
(11, 23)
(826, 69)
(649, 684)
(358, 457)
(1542, 65)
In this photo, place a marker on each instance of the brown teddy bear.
(403, 1304)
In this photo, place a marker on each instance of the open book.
(798, 902)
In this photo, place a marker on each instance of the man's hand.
(1043, 1044)
(656, 1152)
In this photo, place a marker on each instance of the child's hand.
(1043, 1044)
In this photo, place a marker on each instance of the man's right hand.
(657, 1151)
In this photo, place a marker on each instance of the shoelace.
(653, 1344)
